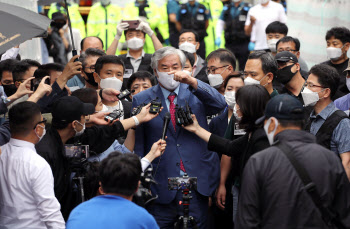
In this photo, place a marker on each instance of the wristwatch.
(5, 99)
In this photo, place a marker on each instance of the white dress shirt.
(27, 198)
(264, 16)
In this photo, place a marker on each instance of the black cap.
(70, 108)
(286, 56)
(284, 107)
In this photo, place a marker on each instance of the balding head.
(91, 42)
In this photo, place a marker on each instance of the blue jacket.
(198, 160)
(218, 125)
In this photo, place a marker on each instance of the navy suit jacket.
(218, 125)
(197, 159)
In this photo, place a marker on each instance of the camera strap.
(328, 216)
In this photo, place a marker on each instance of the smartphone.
(34, 83)
(133, 24)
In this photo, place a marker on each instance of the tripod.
(186, 219)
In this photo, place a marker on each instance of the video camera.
(143, 196)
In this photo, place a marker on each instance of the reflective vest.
(196, 22)
(102, 22)
(157, 17)
(74, 14)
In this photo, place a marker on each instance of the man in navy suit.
(185, 152)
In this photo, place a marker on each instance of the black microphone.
(165, 124)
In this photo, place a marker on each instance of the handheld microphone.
(167, 118)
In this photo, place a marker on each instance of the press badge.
(128, 73)
(200, 17)
(237, 130)
(242, 18)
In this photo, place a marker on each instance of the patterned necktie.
(171, 98)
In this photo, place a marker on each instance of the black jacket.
(239, 149)
(51, 148)
(273, 195)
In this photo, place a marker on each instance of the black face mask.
(285, 74)
(10, 89)
(90, 79)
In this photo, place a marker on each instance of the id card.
(237, 130)
(200, 17)
(242, 18)
(128, 73)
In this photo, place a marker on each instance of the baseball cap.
(286, 56)
(348, 68)
(70, 108)
(284, 107)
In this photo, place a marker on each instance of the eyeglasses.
(212, 70)
(92, 68)
(311, 85)
(44, 121)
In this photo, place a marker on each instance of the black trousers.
(241, 52)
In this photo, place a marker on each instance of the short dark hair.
(190, 57)
(292, 123)
(108, 59)
(19, 70)
(91, 178)
(277, 27)
(41, 73)
(90, 52)
(82, 42)
(52, 67)
(86, 95)
(239, 76)
(196, 36)
(290, 39)
(23, 117)
(142, 75)
(327, 76)
(7, 65)
(120, 173)
(268, 62)
(341, 33)
(252, 100)
(224, 55)
(32, 63)
(130, 30)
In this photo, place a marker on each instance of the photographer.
(119, 176)
(68, 121)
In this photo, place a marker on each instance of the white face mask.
(235, 113)
(230, 98)
(167, 81)
(264, 1)
(188, 47)
(44, 132)
(250, 81)
(188, 72)
(235, 1)
(334, 53)
(272, 44)
(216, 80)
(270, 136)
(348, 83)
(310, 98)
(78, 133)
(135, 43)
(111, 82)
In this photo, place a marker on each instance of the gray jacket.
(273, 195)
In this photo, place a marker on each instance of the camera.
(77, 151)
(182, 183)
(114, 115)
(143, 196)
(34, 83)
(156, 104)
(183, 115)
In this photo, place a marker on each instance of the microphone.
(165, 124)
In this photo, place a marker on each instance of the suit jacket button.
(178, 145)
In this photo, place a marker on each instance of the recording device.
(183, 115)
(156, 104)
(184, 183)
(167, 118)
(137, 109)
(114, 115)
(133, 24)
(77, 151)
(34, 83)
(143, 196)
(124, 94)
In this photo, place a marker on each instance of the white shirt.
(119, 106)
(27, 198)
(135, 62)
(264, 16)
